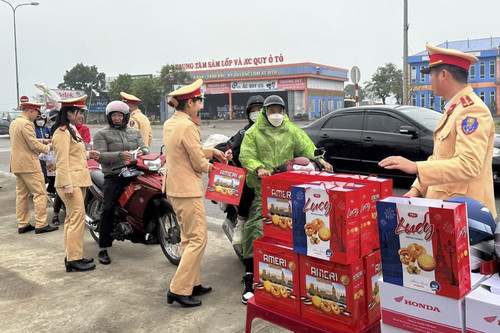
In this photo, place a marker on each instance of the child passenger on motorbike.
(117, 144)
(271, 141)
(254, 104)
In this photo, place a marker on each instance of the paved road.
(37, 295)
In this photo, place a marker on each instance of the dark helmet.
(480, 220)
(253, 101)
(274, 100)
(118, 106)
(53, 114)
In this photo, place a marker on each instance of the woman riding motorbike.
(271, 141)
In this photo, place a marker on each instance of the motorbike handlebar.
(118, 167)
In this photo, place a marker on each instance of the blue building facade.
(484, 76)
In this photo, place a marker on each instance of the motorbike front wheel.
(94, 210)
(169, 235)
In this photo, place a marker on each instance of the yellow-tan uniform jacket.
(186, 159)
(71, 159)
(141, 122)
(461, 164)
(25, 146)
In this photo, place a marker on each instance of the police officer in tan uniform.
(186, 161)
(25, 165)
(72, 180)
(463, 140)
(137, 118)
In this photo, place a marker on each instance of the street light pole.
(405, 54)
(15, 40)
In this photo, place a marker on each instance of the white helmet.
(118, 106)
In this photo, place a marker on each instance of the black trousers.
(247, 196)
(113, 188)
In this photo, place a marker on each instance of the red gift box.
(326, 221)
(332, 293)
(277, 204)
(226, 184)
(373, 272)
(383, 188)
(276, 275)
(424, 245)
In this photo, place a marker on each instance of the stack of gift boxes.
(319, 256)
(426, 282)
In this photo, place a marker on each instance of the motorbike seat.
(97, 178)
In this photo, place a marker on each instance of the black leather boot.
(186, 301)
(79, 266)
(200, 290)
(104, 257)
(84, 260)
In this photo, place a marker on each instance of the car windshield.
(426, 117)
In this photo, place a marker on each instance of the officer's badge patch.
(132, 123)
(469, 125)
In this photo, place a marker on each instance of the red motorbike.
(143, 215)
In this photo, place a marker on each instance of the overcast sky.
(140, 36)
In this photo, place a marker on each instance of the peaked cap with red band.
(128, 98)
(79, 102)
(190, 91)
(440, 56)
(31, 105)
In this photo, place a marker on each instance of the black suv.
(356, 139)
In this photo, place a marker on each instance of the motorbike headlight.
(496, 152)
(153, 165)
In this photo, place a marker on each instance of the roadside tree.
(85, 78)
(386, 82)
(148, 90)
(171, 75)
(123, 82)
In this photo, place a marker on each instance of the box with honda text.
(482, 307)
(277, 203)
(418, 311)
(326, 221)
(372, 264)
(332, 294)
(276, 275)
(424, 245)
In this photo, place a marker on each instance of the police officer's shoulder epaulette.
(63, 128)
(195, 122)
(466, 101)
(451, 108)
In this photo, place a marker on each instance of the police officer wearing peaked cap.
(463, 140)
(24, 164)
(137, 118)
(186, 161)
(72, 179)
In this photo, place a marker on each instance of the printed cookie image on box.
(332, 293)
(326, 221)
(424, 245)
(276, 275)
(280, 213)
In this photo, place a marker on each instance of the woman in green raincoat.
(271, 141)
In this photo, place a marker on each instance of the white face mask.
(253, 116)
(40, 123)
(275, 119)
